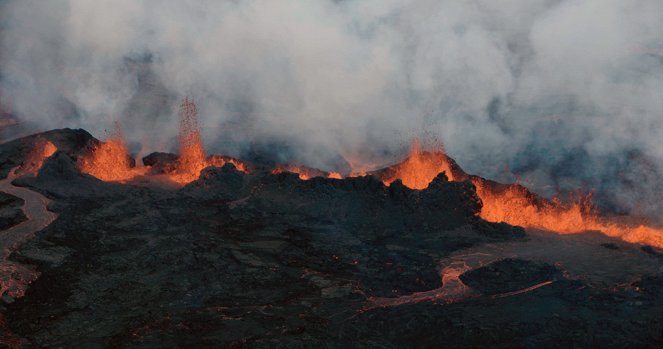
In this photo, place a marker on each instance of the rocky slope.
(264, 260)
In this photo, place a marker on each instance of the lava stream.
(14, 276)
(453, 289)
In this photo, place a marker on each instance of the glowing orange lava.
(420, 168)
(110, 160)
(515, 205)
(42, 150)
(192, 153)
(220, 161)
(334, 175)
(192, 157)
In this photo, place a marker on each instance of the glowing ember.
(420, 168)
(109, 161)
(41, 151)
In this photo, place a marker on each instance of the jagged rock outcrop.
(73, 142)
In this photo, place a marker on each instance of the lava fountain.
(192, 159)
(110, 160)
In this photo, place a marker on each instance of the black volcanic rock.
(59, 167)
(73, 142)
(224, 183)
(160, 162)
(10, 211)
(509, 275)
(276, 251)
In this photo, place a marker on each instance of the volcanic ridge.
(200, 250)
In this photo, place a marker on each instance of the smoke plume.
(561, 94)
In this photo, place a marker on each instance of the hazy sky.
(566, 93)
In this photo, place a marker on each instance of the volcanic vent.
(509, 203)
(516, 205)
(110, 160)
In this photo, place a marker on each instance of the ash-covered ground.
(268, 260)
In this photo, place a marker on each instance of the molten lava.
(192, 157)
(41, 151)
(515, 205)
(220, 161)
(110, 160)
(420, 168)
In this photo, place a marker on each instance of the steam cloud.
(565, 93)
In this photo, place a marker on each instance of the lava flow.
(517, 206)
(514, 204)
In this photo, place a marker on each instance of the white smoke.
(555, 90)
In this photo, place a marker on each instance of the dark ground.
(10, 211)
(261, 260)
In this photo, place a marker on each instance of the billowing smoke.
(565, 94)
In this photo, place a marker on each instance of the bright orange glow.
(110, 160)
(515, 205)
(420, 168)
(192, 153)
(42, 150)
(219, 161)
(334, 175)
(192, 157)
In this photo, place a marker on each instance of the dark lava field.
(262, 260)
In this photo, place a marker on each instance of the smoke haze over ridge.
(566, 94)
